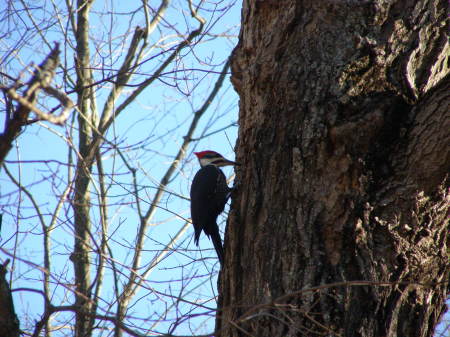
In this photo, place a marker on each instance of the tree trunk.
(9, 324)
(343, 141)
(81, 196)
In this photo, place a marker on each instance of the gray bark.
(81, 198)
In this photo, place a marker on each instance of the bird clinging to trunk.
(209, 194)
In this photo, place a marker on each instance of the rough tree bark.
(343, 140)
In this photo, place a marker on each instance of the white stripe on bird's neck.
(209, 161)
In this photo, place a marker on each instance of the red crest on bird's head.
(213, 158)
(201, 154)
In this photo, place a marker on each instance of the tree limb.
(43, 75)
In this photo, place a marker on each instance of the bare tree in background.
(115, 59)
(340, 223)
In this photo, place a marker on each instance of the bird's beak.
(227, 162)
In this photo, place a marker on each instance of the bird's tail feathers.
(217, 242)
(197, 236)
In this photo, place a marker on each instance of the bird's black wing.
(203, 203)
(222, 192)
(209, 194)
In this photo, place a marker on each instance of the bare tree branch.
(43, 75)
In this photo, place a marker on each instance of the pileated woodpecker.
(209, 194)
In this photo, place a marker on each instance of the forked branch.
(17, 118)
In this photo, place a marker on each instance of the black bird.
(209, 194)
